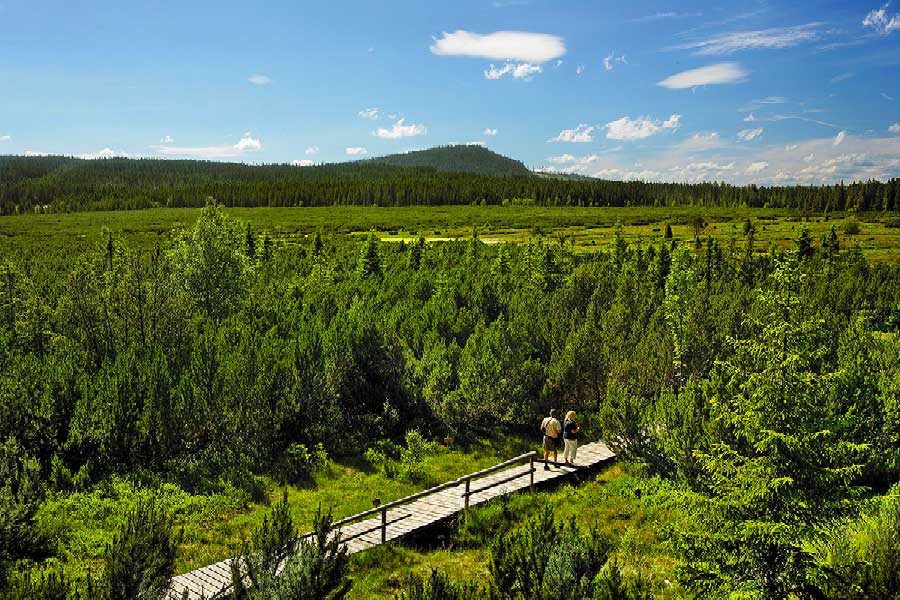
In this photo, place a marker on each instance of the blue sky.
(746, 91)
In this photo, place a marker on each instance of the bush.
(402, 462)
(301, 464)
(542, 559)
(51, 585)
(21, 492)
(141, 558)
(851, 226)
(439, 587)
(278, 565)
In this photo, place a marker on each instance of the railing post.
(383, 525)
(468, 481)
(531, 473)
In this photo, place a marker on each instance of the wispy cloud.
(639, 128)
(303, 162)
(489, 131)
(757, 167)
(881, 21)
(372, 114)
(736, 41)
(752, 118)
(610, 60)
(840, 137)
(518, 71)
(521, 46)
(355, 151)
(400, 130)
(711, 75)
(245, 145)
(702, 140)
(311, 150)
(840, 78)
(258, 79)
(762, 103)
(895, 128)
(579, 69)
(746, 135)
(666, 15)
(582, 133)
(886, 97)
(167, 139)
(5, 138)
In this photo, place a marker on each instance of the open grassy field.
(588, 228)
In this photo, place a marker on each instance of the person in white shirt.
(552, 436)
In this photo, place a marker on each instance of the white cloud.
(666, 15)
(400, 130)
(355, 151)
(809, 157)
(895, 128)
(776, 37)
(489, 131)
(518, 71)
(840, 78)
(582, 133)
(245, 145)
(703, 140)
(558, 64)
(519, 46)
(757, 167)
(481, 143)
(302, 162)
(639, 128)
(881, 22)
(258, 79)
(311, 150)
(839, 137)
(5, 138)
(709, 166)
(562, 159)
(610, 60)
(579, 69)
(886, 97)
(370, 113)
(104, 153)
(713, 74)
(167, 139)
(745, 135)
(36, 153)
(762, 103)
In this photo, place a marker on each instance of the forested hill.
(459, 158)
(63, 184)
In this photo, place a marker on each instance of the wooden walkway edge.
(400, 517)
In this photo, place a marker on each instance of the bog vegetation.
(762, 390)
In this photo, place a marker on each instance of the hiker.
(552, 432)
(570, 437)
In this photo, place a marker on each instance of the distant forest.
(64, 184)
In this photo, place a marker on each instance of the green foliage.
(21, 491)
(851, 226)
(406, 462)
(611, 584)
(861, 559)
(544, 559)
(301, 463)
(49, 585)
(439, 587)
(278, 565)
(141, 557)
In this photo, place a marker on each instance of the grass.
(214, 526)
(588, 228)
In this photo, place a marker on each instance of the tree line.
(59, 184)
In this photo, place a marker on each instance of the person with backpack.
(552, 437)
(571, 430)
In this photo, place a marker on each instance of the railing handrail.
(433, 490)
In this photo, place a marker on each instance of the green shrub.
(51, 585)
(851, 226)
(21, 492)
(301, 463)
(141, 558)
(278, 565)
(439, 587)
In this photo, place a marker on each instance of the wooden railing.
(466, 481)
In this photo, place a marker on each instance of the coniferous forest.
(764, 389)
(451, 175)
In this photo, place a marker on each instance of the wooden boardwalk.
(396, 519)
